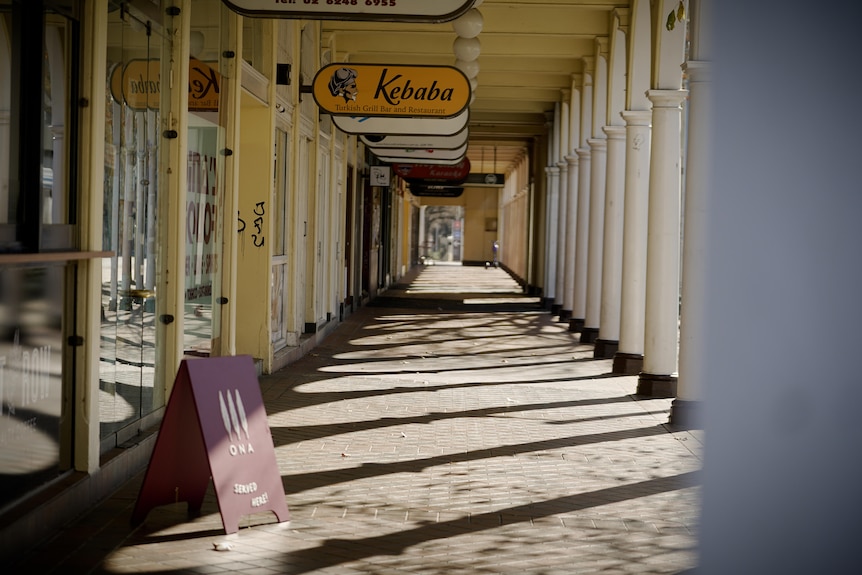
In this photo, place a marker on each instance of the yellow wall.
(254, 248)
(480, 213)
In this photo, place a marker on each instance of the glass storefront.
(31, 383)
(205, 196)
(37, 212)
(134, 103)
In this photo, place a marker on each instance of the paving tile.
(416, 440)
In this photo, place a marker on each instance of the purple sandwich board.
(215, 427)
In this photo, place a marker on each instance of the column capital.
(666, 98)
(552, 170)
(615, 132)
(698, 70)
(563, 166)
(589, 69)
(637, 117)
(573, 160)
(598, 144)
(602, 47)
(583, 153)
(623, 17)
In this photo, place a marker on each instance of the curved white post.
(629, 357)
(658, 377)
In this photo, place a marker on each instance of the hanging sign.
(379, 176)
(421, 155)
(137, 83)
(396, 159)
(392, 91)
(436, 191)
(429, 174)
(479, 180)
(372, 10)
(402, 126)
(215, 426)
(379, 142)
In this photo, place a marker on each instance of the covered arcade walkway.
(434, 432)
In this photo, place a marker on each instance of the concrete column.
(692, 347)
(599, 149)
(554, 173)
(629, 357)
(562, 255)
(550, 222)
(550, 240)
(579, 303)
(658, 378)
(571, 234)
(612, 258)
(579, 298)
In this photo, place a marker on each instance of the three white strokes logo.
(235, 421)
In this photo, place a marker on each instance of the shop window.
(37, 212)
(130, 222)
(37, 125)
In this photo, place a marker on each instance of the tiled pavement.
(435, 432)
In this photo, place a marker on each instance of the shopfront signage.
(215, 425)
(378, 141)
(402, 126)
(421, 155)
(436, 191)
(429, 162)
(391, 91)
(492, 180)
(138, 84)
(372, 10)
(431, 174)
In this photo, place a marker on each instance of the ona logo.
(235, 421)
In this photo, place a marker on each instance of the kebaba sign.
(391, 91)
(370, 10)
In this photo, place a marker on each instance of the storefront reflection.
(31, 388)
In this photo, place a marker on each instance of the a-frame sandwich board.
(215, 427)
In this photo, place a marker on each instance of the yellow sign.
(138, 84)
(394, 91)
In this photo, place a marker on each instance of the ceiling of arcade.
(529, 51)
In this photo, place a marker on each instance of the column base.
(547, 302)
(652, 385)
(589, 334)
(555, 308)
(565, 315)
(605, 348)
(627, 363)
(686, 414)
(576, 325)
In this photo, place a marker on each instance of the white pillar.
(612, 258)
(571, 159)
(590, 331)
(554, 174)
(692, 347)
(571, 235)
(582, 229)
(562, 255)
(629, 356)
(579, 298)
(562, 261)
(551, 208)
(661, 339)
